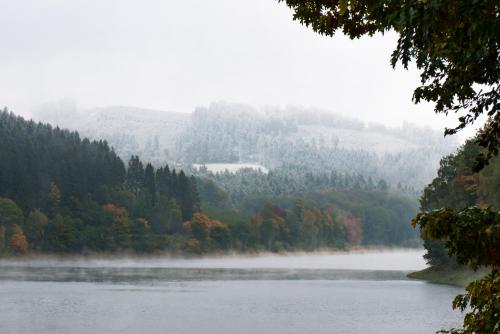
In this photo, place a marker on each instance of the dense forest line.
(249, 182)
(379, 217)
(61, 193)
(65, 194)
(456, 187)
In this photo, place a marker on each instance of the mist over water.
(358, 292)
(400, 259)
(368, 265)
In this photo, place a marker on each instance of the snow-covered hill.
(152, 134)
(294, 138)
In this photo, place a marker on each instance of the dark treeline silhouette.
(62, 193)
(36, 156)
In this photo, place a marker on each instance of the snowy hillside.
(311, 140)
(150, 133)
(296, 139)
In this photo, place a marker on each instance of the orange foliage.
(256, 220)
(193, 246)
(208, 233)
(18, 242)
(198, 219)
(215, 223)
(115, 210)
(204, 222)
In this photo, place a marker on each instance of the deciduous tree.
(35, 227)
(17, 241)
(10, 213)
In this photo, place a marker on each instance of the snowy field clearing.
(232, 168)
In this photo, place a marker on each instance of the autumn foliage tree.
(206, 234)
(17, 241)
(12, 236)
(352, 226)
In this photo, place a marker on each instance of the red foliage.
(278, 211)
(352, 225)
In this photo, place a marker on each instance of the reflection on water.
(226, 307)
(132, 275)
(319, 293)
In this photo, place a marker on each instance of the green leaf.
(343, 6)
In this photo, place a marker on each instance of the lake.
(361, 292)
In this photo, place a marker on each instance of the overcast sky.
(176, 55)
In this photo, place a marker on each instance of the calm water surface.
(319, 293)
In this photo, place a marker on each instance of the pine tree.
(135, 175)
(149, 182)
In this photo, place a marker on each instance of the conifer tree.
(149, 182)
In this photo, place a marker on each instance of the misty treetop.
(309, 139)
(289, 181)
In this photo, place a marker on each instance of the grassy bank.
(460, 276)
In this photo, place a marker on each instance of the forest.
(458, 186)
(65, 194)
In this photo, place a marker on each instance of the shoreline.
(456, 276)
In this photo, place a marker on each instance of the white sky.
(176, 55)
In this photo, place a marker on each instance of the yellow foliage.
(193, 246)
(17, 241)
(142, 222)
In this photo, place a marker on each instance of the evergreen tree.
(135, 175)
(150, 183)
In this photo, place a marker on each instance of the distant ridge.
(305, 139)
